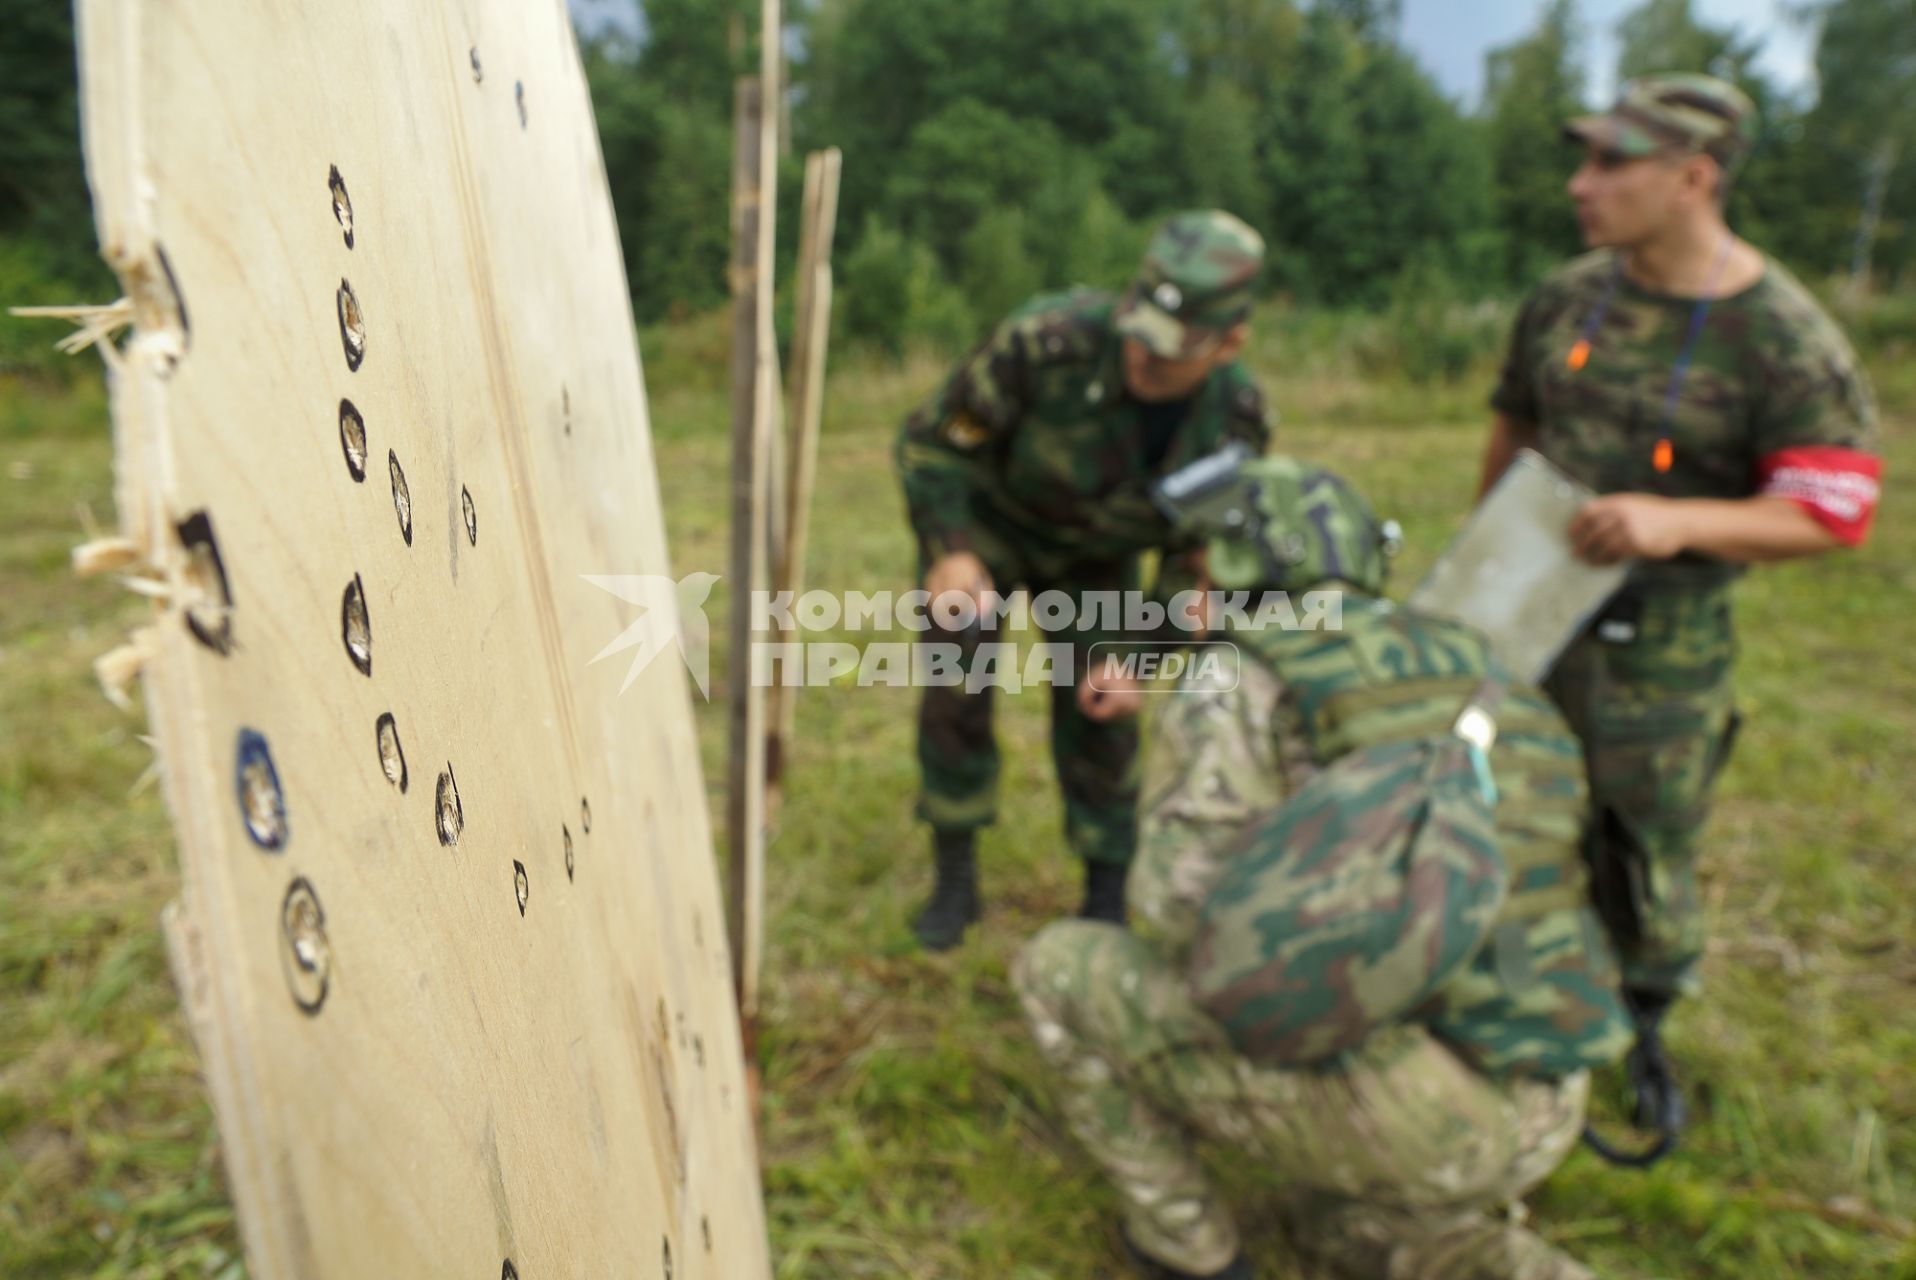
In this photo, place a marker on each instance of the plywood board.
(450, 935)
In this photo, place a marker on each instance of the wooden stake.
(810, 340)
(745, 763)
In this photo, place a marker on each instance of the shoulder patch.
(964, 431)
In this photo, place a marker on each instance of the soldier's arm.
(1620, 526)
(1513, 403)
(954, 444)
(1817, 470)
(1211, 769)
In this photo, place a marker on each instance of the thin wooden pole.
(810, 340)
(745, 765)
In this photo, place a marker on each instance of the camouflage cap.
(1306, 526)
(1196, 282)
(1681, 112)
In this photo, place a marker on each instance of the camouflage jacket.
(1770, 371)
(1033, 435)
(1540, 996)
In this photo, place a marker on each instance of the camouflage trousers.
(1401, 1162)
(1656, 717)
(1096, 762)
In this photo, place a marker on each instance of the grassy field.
(909, 1130)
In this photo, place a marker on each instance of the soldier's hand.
(959, 571)
(1113, 697)
(1624, 526)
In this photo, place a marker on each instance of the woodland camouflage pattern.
(1681, 112)
(1771, 371)
(1198, 279)
(1303, 525)
(1402, 1154)
(1033, 442)
(1366, 890)
(1031, 457)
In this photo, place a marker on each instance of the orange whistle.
(1663, 456)
(1579, 355)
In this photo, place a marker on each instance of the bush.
(890, 293)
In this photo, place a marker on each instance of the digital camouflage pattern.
(1031, 457)
(1679, 112)
(1366, 890)
(1198, 279)
(1400, 1162)
(1032, 442)
(1771, 371)
(1298, 525)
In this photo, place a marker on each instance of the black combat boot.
(1104, 892)
(1238, 1268)
(954, 899)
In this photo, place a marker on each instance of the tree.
(1665, 35)
(1533, 86)
(1864, 124)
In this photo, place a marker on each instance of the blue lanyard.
(1699, 315)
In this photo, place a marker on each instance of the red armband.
(1837, 486)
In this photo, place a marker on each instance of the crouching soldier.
(1366, 959)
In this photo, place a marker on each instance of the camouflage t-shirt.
(1770, 373)
(1033, 435)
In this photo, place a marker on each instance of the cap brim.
(1609, 132)
(1163, 334)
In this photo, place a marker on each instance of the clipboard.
(1511, 574)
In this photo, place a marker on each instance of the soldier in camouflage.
(1029, 467)
(1405, 1152)
(1722, 419)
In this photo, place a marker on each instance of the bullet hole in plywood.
(478, 77)
(207, 598)
(567, 833)
(352, 326)
(262, 804)
(451, 814)
(392, 756)
(356, 627)
(342, 204)
(305, 956)
(402, 495)
(352, 440)
(472, 515)
(585, 815)
(665, 1262)
(521, 886)
(508, 1272)
(519, 96)
(705, 1232)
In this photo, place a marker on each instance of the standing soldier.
(1029, 467)
(1721, 417)
(1398, 1026)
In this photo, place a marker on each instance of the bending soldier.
(1030, 467)
(1443, 1011)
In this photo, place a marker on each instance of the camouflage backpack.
(1368, 889)
(1429, 868)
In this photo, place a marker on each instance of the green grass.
(908, 1127)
